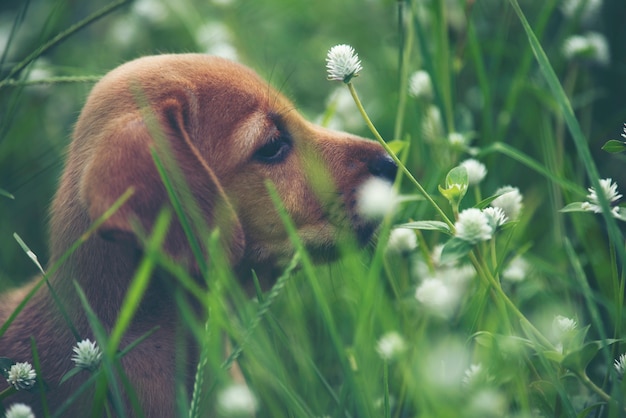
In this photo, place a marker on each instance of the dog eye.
(274, 151)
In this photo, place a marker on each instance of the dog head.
(229, 133)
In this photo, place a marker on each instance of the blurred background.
(286, 42)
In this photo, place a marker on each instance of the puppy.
(225, 133)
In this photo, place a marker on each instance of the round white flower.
(390, 345)
(22, 376)
(495, 217)
(86, 355)
(609, 189)
(457, 139)
(376, 198)
(510, 201)
(472, 374)
(473, 226)
(215, 38)
(588, 9)
(516, 271)
(476, 171)
(19, 410)
(342, 63)
(237, 399)
(420, 85)
(402, 241)
(563, 325)
(591, 46)
(437, 297)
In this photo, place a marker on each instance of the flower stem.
(395, 158)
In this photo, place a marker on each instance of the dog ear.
(123, 159)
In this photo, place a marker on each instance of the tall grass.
(528, 322)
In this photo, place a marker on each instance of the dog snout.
(384, 167)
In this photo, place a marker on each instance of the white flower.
(472, 374)
(591, 46)
(376, 198)
(216, 39)
(19, 410)
(563, 325)
(476, 171)
(495, 217)
(620, 365)
(342, 63)
(401, 241)
(87, 355)
(609, 189)
(488, 403)
(437, 296)
(516, 271)
(588, 9)
(420, 85)
(237, 399)
(390, 345)
(22, 376)
(510, 201)
(473, 226)
(457, 139)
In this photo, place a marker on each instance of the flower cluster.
(475, 225)
(390, 345)
(476, 171)
(237, 399)
(22, 376)
(620, 365)
(86, 355)
(609, 190)
(342, 63)
(376, 198)
(19, 410)
(420, 85)
(592, 46)
(401, 241)
(440, 291)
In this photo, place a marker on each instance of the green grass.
(308, 347)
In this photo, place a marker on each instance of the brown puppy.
(228, 132)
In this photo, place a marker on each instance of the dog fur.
(228, 132)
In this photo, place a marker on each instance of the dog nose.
(384, 167)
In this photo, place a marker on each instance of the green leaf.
(578, 360)
(73, 372)
(454, 249)
(573, 207)
(427, 226)
(457, 176)
(6, 194)
(614, 146)
(396, 145)
(485, 202)
(587, 411)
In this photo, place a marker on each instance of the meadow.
(495, 286)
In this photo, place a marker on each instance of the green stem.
(508, 302)
(395, 158)
(593, 387)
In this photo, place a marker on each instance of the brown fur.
(215, 115)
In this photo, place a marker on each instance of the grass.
(479, 338)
